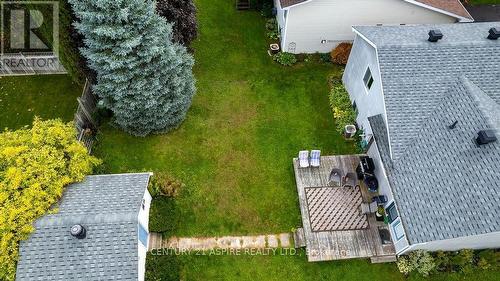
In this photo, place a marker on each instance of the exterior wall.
(385, 189)
(331, 20)
(482, 241)
(143, 219)
(368, 102)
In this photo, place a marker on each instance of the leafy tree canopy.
(35, 166)
(182, 13)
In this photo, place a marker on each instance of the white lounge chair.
(315, 158)
(304, 158)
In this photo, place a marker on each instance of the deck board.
(337, 244)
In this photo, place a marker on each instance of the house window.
(368, 79)
(398, 230)
(285, 14)
(355, 107)
(392, 213)
(143, 235)
(143, 205)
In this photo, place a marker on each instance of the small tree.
(35, 165)
(182, 14)
(144, 78)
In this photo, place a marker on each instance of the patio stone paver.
(272, 241)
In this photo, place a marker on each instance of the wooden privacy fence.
(85, 122)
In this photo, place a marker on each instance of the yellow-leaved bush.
(35, 165)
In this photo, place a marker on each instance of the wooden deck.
(363, 241)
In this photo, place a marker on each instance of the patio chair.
(304, 159)
(335, 178)
(350, 180)
(368, 208)
(315, 158)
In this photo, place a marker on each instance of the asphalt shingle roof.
(108, 207)
(451, 6)
(444, 185)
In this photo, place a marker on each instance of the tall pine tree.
(144, 78)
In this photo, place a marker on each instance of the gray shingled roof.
(444, 185)
(108, 207)
(379, 131)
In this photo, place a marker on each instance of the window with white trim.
(399, 231)
(368, 79)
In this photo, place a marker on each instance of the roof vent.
(78, 231)
(494, 34)
(435, 35)
(486, 137)
(453, 126)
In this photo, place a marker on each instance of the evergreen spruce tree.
(143, 77)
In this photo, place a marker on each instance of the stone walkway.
(282, 240)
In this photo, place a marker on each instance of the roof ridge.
(489, 108)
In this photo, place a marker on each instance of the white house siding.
(369, 103)
(482, 241)
(331, 20)
(143, 219)
(385, 189)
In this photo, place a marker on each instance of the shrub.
(164, 215)
(442, 260)
(165, 267)
(341, 53)
(274, 35)
(488, 259)
(163, 184)
(266, 7)
(182, 14)
(419, 261)
(463, 260)
(143, 77)
(284, 58)
(35, 166)
(341, 105)
(272, 24)
(325, 57)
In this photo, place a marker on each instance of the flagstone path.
(282, 240)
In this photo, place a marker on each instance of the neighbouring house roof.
(445, 185)
(451, 7)
(108, 207)
(454, 7)
(288, 3)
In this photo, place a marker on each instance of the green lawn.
(249, 118)
(47, 96)
(290, 268)
(481, 2)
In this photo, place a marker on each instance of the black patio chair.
(335, 178)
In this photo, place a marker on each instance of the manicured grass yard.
(249, 118)
(233, 153)
(49, 96)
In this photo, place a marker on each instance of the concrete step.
(299, 238)
(383, 259)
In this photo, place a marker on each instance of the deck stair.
(383, 259)
(242, 5)
(298, 238)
